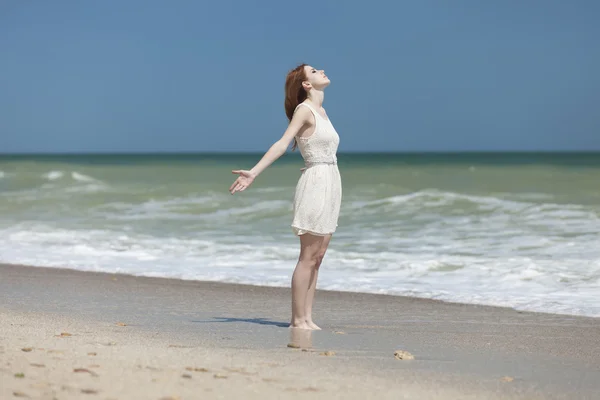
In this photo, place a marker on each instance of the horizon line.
(234, 153)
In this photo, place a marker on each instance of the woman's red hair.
(294, 92)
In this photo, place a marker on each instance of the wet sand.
(152, 338)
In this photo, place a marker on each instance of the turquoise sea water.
(510, 229)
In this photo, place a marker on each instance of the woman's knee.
(319, 260)
(312, 260)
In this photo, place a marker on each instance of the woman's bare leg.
(310, 246)
(310, 296)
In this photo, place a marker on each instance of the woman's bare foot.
(313, 326)
(300, 325)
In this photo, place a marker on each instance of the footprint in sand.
(306, 389)
(327, 353)
(196, 369)
(271, 380)
(239, 371)
(85, 370)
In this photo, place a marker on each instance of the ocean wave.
(79, 177)
(89, 188)
(53, 175)
(271, 190)
(209, 201)
(82, 178)
(429, 200)
(183, 210)
(433, 198)
(567, 284)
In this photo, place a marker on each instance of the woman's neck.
(316, 97)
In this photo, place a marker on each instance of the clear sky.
(407, 75)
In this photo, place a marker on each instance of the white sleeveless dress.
(319, 190)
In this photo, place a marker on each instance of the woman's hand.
(244, 180)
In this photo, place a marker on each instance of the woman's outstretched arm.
(246, 177)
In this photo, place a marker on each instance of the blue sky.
(418, 75)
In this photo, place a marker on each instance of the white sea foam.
(529, 251)
(82, 178)
(53, 175)
(440, 269)
(78, 177)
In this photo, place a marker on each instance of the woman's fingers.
(235, 184)
(240, 184)
(237, 187)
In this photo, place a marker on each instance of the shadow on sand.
(259, 321)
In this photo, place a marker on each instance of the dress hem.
(300, 231)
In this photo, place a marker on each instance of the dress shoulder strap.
(315, 116)
(304, 104)
(312, 110)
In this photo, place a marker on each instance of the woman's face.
(316, 78)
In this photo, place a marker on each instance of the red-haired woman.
(319, 189)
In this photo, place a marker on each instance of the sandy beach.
(71, 335)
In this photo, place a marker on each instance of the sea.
(518, 230)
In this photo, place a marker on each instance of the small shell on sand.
(507, 379)
(403, 355)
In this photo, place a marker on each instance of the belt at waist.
(313, 163)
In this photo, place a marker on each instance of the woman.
(319, 189)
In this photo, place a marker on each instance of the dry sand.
(72, 335)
